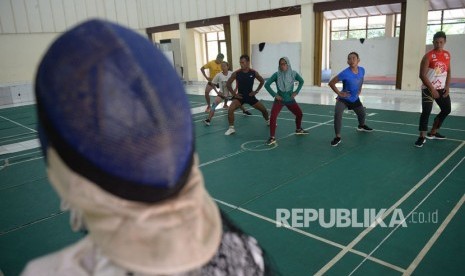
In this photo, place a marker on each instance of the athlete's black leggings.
(427, 105)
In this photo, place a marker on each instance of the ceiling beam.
(344, 4)
(269, 13)
(208, 22)
(164, 28)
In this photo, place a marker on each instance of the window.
(398, 18)
(376, 27)
(449, 21)
(358, 27)
(339, 29)
(216, 43)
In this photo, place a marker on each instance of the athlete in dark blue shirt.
(244, 78)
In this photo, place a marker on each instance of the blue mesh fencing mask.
(116, 111)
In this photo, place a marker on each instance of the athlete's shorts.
(351, 105)
(248, 100)
(214, 84)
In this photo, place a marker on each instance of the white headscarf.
(176, 235)
(286, 78)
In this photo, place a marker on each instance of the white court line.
(16, 123)
(242, 151)
(408, 215)
(19, 155)
(376, 121)
(20, 146)
(367, 230)
(313, 236)
(16, 135)
(221, 158)
(16, 163)
(197, 102)
(32, 223)
(412, 134)
(375, 130)
(19, 139)
(435, 236)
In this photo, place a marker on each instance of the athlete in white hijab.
(285, 79)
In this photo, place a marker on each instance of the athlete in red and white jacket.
(435, 74)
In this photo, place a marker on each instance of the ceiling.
(391, 8)
(209, 29)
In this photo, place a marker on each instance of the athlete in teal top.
(285, 81)
(284, 78)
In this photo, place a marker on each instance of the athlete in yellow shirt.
(214, 67)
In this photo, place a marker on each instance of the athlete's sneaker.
(268, 122)
(420, 141)
(336, 141)
(301, 131)
(437, 136)
(206, 122)
(207, 110)
(230, 131)
(364, 128)
(271, 141)
(247, 113)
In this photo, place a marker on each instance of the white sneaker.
(230, 131)
(268, 122)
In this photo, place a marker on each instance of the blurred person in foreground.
(117, 134)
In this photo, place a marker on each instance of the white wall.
(31, 25)
(276, 30)
(378, 55)
(165, 35)
(165, 12)
(28, 27)
(50, 16)
(20, 55)
(282, 36)
(266, 61)
(455, 45)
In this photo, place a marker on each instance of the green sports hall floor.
(249, 181)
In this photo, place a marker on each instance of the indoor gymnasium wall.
(276, 30)
(28, 27)
(379, 55)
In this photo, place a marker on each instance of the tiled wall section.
(16, 94)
